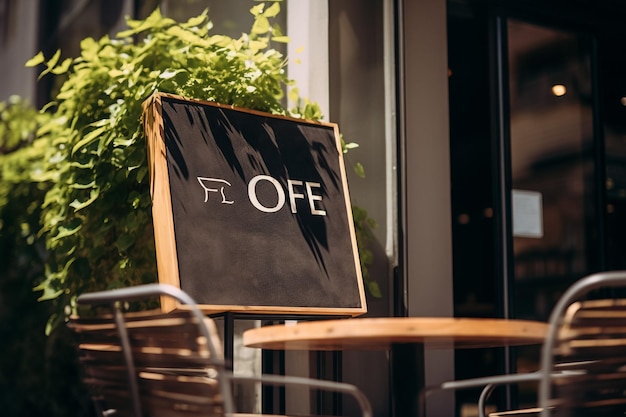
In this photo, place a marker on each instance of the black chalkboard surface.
(251, 210)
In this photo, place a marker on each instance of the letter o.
(255, 201)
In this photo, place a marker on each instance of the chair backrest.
(155, 364)
(151, 363)
(583, 361)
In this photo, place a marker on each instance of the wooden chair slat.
(176, 367)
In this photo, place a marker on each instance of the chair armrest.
(364, 404)
(488, 383)
(482, 381)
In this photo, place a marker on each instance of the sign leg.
(407, 379)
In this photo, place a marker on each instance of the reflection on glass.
(613, 105)
(551, 156)
(551, 170)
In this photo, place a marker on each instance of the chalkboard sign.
(251, 210)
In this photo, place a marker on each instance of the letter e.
(313, 198)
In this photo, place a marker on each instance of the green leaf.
(258, 9)
(78, 186)
(294, 95)
(257, 45)
(155, 20)
(312, 111)
(62, 69)
(359, 170)
(197, 20)
(55, 59)
(83, 165)
(89, 48)
(374, 289)
(350, 145)
(51, 63)
(88, 139)
(54, 320)
(48, 292)
(273, 10)
(281, 39)
(187, 37)
(261, 25)
(167, 74)
(71, 229)
(36, 60)
(79, 205)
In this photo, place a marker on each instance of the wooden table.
(405, 337)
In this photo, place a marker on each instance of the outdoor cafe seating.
(170, 364)
(165, 364)
(583, 358)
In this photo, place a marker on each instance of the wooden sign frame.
(251, 210)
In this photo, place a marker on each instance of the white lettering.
(294, 188)
(255, 201)
(313, 198)
(205, 183)
(293, 195)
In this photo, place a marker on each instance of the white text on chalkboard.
(296, 189)
(206, 184)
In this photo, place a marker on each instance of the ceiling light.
(559, 90)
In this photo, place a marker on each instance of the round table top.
(381, 333)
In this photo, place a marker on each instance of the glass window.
(552, 160)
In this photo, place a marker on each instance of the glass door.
(552, 158)
(538, 157)
(552, 161)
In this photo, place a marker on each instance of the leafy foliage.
(96, 216)
(37, 376)
(363, 225)
(74, 200)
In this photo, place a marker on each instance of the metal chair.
(583, 359)
(158, 364)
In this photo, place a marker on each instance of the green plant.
(96, 216)
(21, 154)
(37, 376)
